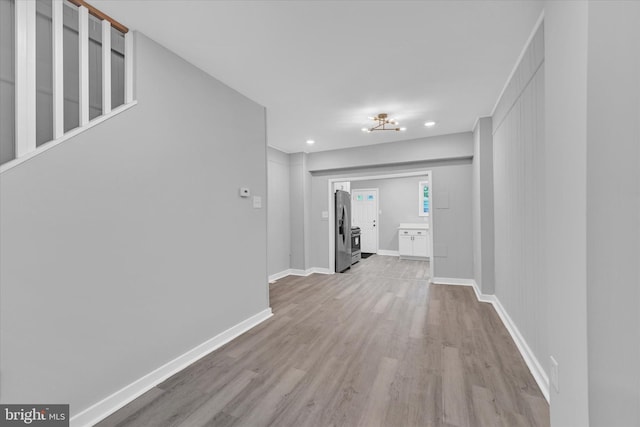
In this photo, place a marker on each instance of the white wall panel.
(518, 201)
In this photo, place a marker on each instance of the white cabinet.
(420, 247)
(414, 241)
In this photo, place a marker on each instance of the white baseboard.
(530, 359)
(120, 398)
(298, 272)
(279, 275)
(388, 253)
(452, 281)
(319, 270)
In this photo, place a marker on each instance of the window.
(424, 199)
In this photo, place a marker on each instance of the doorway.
(427, 174)
(364, 214)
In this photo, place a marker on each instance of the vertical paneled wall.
(518, 138)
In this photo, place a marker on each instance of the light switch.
(257, 202)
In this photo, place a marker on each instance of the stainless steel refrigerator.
(343, 231)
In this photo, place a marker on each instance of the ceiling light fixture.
(310, 141)
(430, 124)
(382, 121)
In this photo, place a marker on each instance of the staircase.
(66, 67)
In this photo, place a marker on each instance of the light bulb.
(310, 141)
(430, 124)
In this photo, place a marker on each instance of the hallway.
(373, 346)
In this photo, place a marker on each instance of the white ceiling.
(322, 67)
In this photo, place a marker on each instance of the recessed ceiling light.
(310, 141)
(430, 124)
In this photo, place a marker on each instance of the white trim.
(385, 252)
(57, 25)
(117, 400)
(309, 271)
(128, 67)
(539, 375)
(530, 359)
(453, 281)
(83, 58)
(77, 131)
(25, 69)
(280, 275)
(518, 61)
(475, 124)
(299, 272)
(106, 66)
(319, 270)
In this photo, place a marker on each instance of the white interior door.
(364, 214)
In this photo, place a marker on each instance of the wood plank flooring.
(376, 346)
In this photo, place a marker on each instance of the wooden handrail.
(100, 15)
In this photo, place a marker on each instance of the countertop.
(417, 226)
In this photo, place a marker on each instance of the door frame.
(332, 208)
(377, 213)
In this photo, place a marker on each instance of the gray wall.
(613, 213)
(482, 207)
(119, 248)
(278, 211)
(398, 201)
(309, 174)
(443, 147)
(518, 144)
(565, 202)
(452, 225)
(298, 194)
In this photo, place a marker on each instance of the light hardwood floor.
(376, 346)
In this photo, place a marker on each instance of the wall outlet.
(554, 374)
(257, 202)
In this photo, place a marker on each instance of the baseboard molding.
(319, 270)
(279, 275)
(530, 359)
(388, 253)
(120, 398)
(452, 281)
(298, 272)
